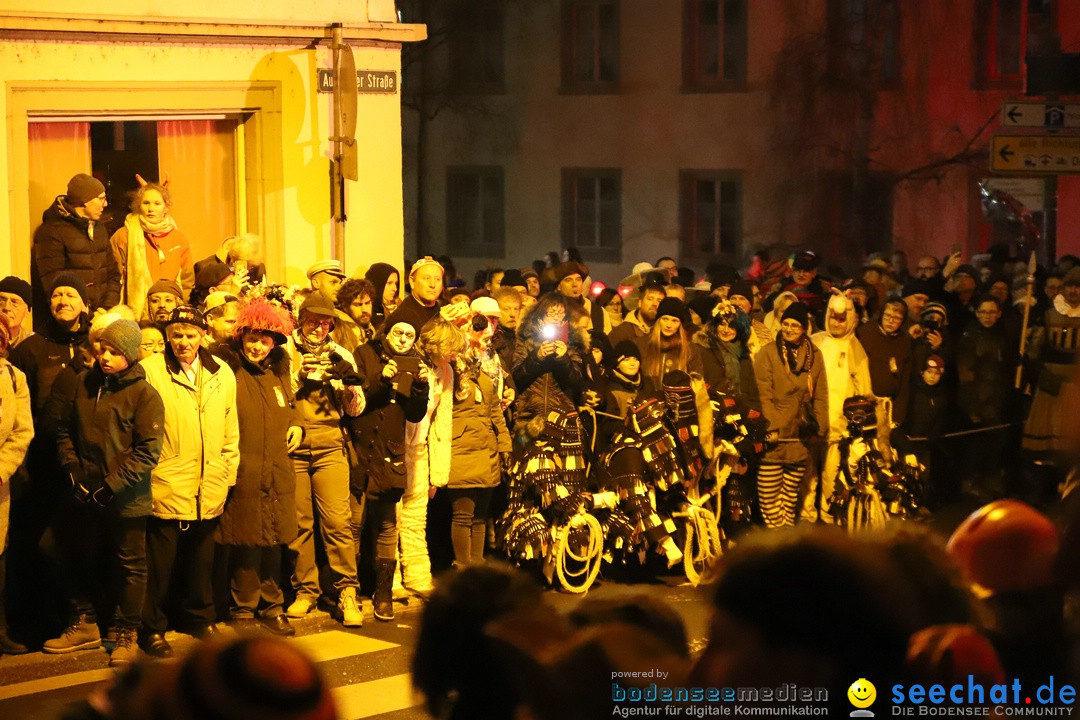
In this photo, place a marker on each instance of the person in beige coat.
(199, 459)
(16, 430)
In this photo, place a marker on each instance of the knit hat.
(485, 305)
(82, 188)
(622, 350)
(168, 286)
(212, 275)
(17, 286)
(935, 307)
(71, 280)
(187, 315)
(568, 268)
(125, 336)
(265, 317)
(424, 261)
(530, 273)
(935, 362)
(742, 288)
(513, 278)
(798, 312)
(968, 270)
(805, 261)
(672, 306)
(917, 286)
(316, 304)
(253, 677)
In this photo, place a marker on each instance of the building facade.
(220, 99)
(708, 129)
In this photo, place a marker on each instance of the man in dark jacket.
(109, 440)
(72, 238)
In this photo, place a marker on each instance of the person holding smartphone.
(396, 391)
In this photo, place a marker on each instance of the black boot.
(383, 597)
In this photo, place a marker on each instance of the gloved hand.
(103, 495)
(97, 490)
(75, 471)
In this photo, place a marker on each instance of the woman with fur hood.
(848, 372)
(260, 513)
(549, 362)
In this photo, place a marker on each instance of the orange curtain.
(58, 150)
(199, 158)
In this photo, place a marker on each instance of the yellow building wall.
(289, 168)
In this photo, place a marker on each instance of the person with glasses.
(16, 298)
(327, 390)
(72, 238)
(153, 341)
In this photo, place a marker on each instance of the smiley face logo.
(862, 693)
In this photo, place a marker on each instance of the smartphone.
(556, 332)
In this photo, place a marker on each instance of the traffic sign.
(1047, 115)
(1035, 154)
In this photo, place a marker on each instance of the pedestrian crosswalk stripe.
(338, 644)
(56, 682)
(384, 695)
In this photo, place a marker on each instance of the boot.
(83, 634)
(127, 648)
(383, 597)
(352, 614)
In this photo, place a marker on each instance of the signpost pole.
(337, 182)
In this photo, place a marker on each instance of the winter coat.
(16, 431)
(985, 362)
(435, 430)
(63, 243)
(321, 405)
(200, 455)
(168, 257)
(378, 434)
(256, 271)
(260, 510)
(728, 367)
(553, 383)
(846, 365)
(890, 365)
(112, 427)
(43, 355)
(479, 434)
(783, 394)
(632, 328)
(348, 334)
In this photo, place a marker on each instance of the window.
(590, 46)
(999, 43)
(476, 50)
(710, 214)
(714, 45)
(475, 224)
(592, 213)
(864, 39)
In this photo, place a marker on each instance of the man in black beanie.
(72, 238)
(16, 299)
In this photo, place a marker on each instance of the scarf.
(136, 279)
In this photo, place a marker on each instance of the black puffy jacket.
(63, 243)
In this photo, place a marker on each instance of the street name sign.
(1035, 154)
(367, 81)
(1047, 115)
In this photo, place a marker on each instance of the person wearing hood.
(639, 321)
(109, 439)
(780, 303)
(848, 372)
(259, 519)
(386, 280)
(72, 238)
(793, 385)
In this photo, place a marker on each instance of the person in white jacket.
(199, 458)
(848, 373)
